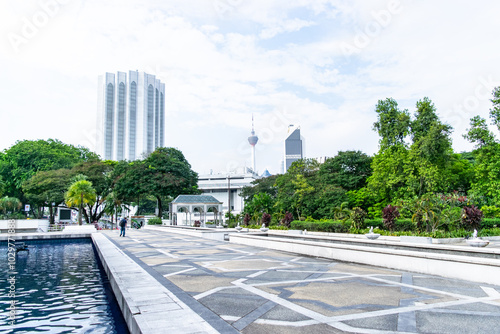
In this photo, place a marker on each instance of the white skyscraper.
(130, 115)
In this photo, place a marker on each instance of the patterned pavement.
(254, 290)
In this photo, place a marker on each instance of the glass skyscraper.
(294, 147)
(131, 115)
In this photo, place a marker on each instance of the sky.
(321, 65)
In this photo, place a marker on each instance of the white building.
(226, 188)
(131, 115)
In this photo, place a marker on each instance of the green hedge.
(154, 221)
(402, 225)
(489, 223)
(326, 226)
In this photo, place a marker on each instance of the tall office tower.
(252, 140)
(130, 115)
(294, 149)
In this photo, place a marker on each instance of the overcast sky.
(320, 64)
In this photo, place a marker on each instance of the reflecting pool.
(60, 287)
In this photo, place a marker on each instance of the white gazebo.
(193, 205)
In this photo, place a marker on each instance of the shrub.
(246, 219)
(287, 219)
(471, 218)
(490, 211)
(154, 221)
(357, 217)
(390, 214)
(404, 225)
(266, 219)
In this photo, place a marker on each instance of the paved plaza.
(241, 289)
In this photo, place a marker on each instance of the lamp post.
(229, 197)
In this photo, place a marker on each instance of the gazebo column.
(190, 212)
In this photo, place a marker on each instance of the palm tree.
(113, 206)
(9, 204)
(79, 193)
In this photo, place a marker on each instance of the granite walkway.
(241, 289)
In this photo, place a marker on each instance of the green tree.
(79, 194)
(21, 161)
(100, 174)
(47, 189)
(486, 184)
(479, 134)
(263, 185)
(167, 175)
(296, 191)
(348, 170)
(431, 151)
(392, 125)
(495, 110)
(2, 186)
(301, 189)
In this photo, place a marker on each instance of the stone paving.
(254, 290)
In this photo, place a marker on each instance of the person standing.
(123, 224)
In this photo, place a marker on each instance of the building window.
(150, 120)
(157, 119)
(162, 120)
(132, 120)
(108, 135)
(120, 139)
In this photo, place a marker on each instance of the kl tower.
(253, 139)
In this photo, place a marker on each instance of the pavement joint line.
(283, 302)
(296, 259)
(313, 272)
(257, 273)
(230, 318)
(476, 313)
(490, 291)
(420, 288)
(301, 323)
(397, 310)
(238, 250)
(175, 265)
(179, 272)
(305, 280)
(212, 291)
(136, 240)
(254, 315)
(407, 321)
(346, 328)
(167, 253)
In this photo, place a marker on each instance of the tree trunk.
(80, 210)
(160, 208)
(51, 214)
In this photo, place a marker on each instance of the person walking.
(123, 224)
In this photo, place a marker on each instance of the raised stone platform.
(147, 306)
(478, 265)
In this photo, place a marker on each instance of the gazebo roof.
(205, 199)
